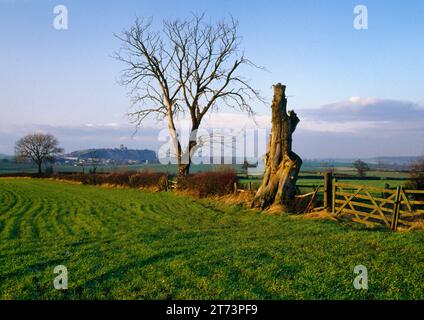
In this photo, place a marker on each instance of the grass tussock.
(243, 199)
(320, 215)
(414, 226)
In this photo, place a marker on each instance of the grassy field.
(308, 168)
(320, 181)
(11, 167)
(129, 244)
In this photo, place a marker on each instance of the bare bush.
(204, 184)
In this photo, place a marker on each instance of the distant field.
(372, 183)
(129, 244)
(308, 168)
(319, 182)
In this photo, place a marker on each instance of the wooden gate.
(371, 205)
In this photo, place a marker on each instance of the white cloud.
(237, 120)
(339, 127)
(354, 99)
(360, 115)
(355, 127)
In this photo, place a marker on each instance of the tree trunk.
(39, 167)
(184, 158)
(183, 169)
(282, 164)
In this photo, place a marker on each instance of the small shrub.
(145, 179)
(416, 176)
(208, 183)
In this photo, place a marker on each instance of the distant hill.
(395, 160)
(5, 156)
(121, 155)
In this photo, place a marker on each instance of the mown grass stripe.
(130, 244)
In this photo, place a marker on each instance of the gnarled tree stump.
(282, 164)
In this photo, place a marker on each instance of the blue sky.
(65, 80)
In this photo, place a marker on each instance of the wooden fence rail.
(371, 205)
(364, 204)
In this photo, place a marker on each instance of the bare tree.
(38, 148)
(189, 67)
(81, 163)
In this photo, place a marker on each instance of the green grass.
(320, 181)
(370, 183)
(128, 244)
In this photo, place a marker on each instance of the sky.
(358, 93)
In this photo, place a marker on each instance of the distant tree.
(81, 163)
(94, 160)
(189, 67)
(416, 175)
(361, 167)
(38, 148)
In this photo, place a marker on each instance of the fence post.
(250, 185)
(333, 193)
(235, 187)
(396, 209)
(328, 191)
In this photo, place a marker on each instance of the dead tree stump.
(282, 164)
